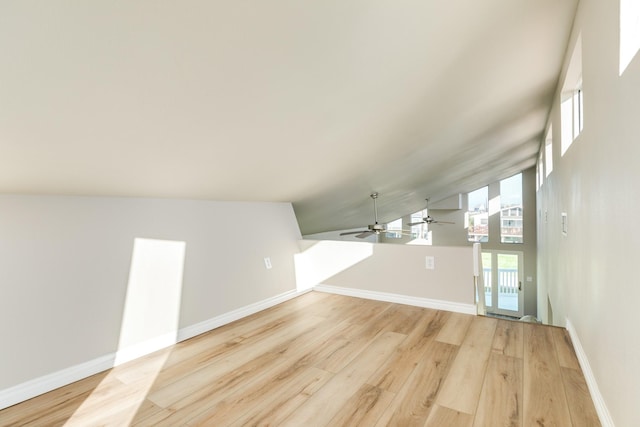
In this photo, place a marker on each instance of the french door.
(503, 271)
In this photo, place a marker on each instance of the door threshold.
(502, 316)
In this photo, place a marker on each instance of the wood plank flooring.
(330, 360)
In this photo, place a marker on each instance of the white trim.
(32, 388)
(146, 347)
(596, 396)
(37, 386)
(399, 299)
(202, 327)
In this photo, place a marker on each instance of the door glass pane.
(486, 270)
(508, 282)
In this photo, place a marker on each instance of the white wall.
(65, 266)
(589, 275)
(392, 269)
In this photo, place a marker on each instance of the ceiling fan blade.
(442, 222)
(365, 234)
(417, 223)
(400, 232)
(354, 232)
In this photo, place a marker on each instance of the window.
(571, 107)
(394, 229)
(629, 32)
(540, 172)
(511, 225)
(548, 152)
(572, 119)
(477, 216)
(420, 233)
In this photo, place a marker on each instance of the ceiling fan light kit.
(374, 228)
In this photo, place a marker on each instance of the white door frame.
(492, 306)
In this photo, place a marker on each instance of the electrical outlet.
(267, 263)
(430, 263)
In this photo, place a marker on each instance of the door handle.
(520, 285)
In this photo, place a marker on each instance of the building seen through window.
(477, 216)
(511, 225)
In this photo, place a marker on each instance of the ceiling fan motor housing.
(377, 227)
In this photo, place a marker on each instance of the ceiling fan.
(374, 228)
(429, 220)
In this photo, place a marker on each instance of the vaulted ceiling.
(315, 103)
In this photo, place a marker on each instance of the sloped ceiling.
(317, 103)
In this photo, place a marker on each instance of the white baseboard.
(596, 396)
(399, 299)
(202, 327)
(46, 383)
(40, 385)
(146, 347)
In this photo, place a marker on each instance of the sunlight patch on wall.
(494, 206)
(152, 305)
(629, 32)
(326, 258)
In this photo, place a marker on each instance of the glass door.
(503, 282)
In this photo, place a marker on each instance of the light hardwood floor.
(329, 360)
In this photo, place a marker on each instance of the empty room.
(319, 214)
